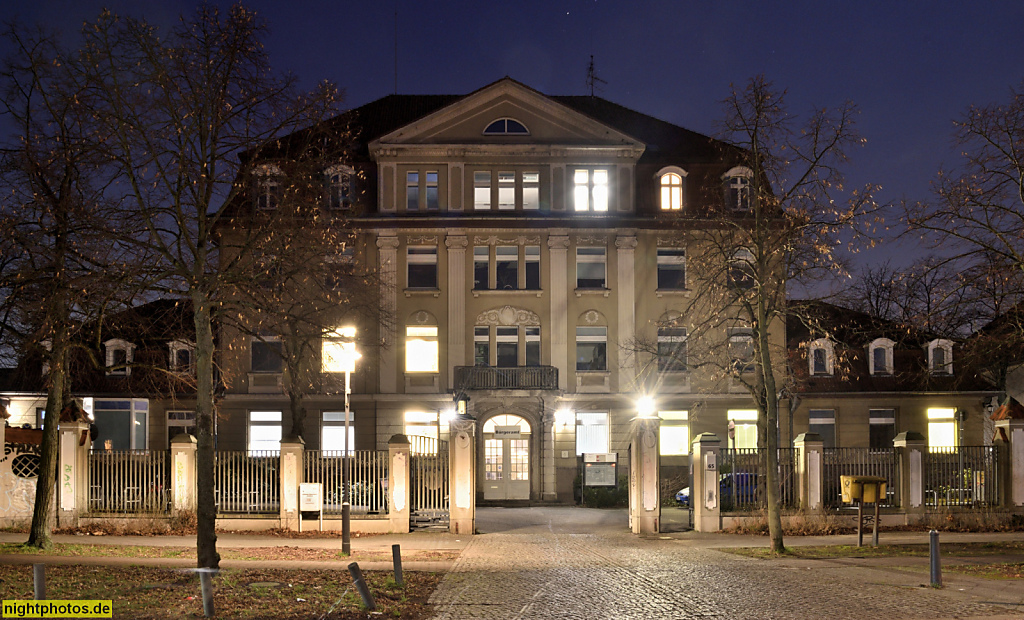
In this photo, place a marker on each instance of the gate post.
(644, 477)
(183, 474)
(910, 447)
(398, 484)
(704, 495)
(1011, 457)
(809, 472)
(291, 476)
(462, 476)
(73, 472)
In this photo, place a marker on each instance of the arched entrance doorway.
(506, 458)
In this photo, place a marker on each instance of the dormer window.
(940, 357)
(339, 187)
(269, 187)
(670, 182)
(736, 184)
(821, 356)
(880, 360)
(181, 356)
(506, 127)
(119, 354)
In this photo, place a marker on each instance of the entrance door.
(506, 458)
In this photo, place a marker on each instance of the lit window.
(119, 355)
(590, 190)
(671, 192)
(741, 349)
(591, 433)
(423, 428)
(506, 191)
(412, 191)
(821, 357)
(121, 424)
(339, 187)
(941, 428)
(332, 431)
(823, 422)
(881, 428)
(507, 347)
(671, 349)
(742, 428)
(881, 359)
(179, 422)
(269, 187)
(421, 263)
(482, 346)
(531, 190)
(264, 431)
(737, 188)
(940, 357)
(590, 267)
(533, 346)
(482, 190)
(267, 354)
(421, 349)
(591, 348)
(506, 267)
(675, 433)
(671, 269)
(506, 127)
(532, 267)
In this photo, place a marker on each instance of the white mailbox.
(311, 497)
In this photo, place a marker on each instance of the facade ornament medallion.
(508, 315)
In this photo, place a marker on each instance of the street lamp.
(347, 360)
(646, 408)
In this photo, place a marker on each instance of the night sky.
(911, 67)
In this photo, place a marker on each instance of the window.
(590, 190)
(820, 357)
(412, 191)
(591, 348)
(741, 269)
(267, 354)
(482, 346)
(506, 267)
(482, 190)
(421, 349)
(671, 269)
(269, 187)
(421, 263)
(882, 428)
(590, 267)
(179, 422)
(671, 349)
(532, 267)
(531, 191)
(881, 361)
(591, 433)
(122, 424)
(940, 357)
(742, 428)
(533, 346)
(671, 192)
(339, 187)
(423, 429)
(506, 191)
(675, 433)
(332, 431)
(506, 127)
(119, 354)
(741, 349)
(433, 195)
(264, 431)
(823, 422)
(507, 347)
(180, 355)
(941, 428)
(737, 188)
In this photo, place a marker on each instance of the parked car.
(739, 487)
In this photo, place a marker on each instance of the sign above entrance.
(510, 432)
(600, 457)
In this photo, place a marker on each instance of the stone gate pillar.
(704, 494)
(1011, 433)
(72, 472)
(910, 447)
(292, 449)
(644, 477)
(399, 490)
(809, 448)
(183, 474)
(462, 476)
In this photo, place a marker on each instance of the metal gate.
(428, 470)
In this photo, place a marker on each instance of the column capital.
(456, 242)
(625, 242)
(558, 242)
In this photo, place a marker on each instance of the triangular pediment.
(547, 121)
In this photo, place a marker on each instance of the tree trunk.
(42, 512)
(769, 405)
(206, 507)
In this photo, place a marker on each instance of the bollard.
(364, 591)
(396, 555)
(206, 582)
(933, 554)
(39, 581)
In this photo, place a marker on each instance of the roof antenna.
(592, 78)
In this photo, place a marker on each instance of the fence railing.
(961, 476)
(129, 481)
(859, 462)
(428, 473)
(247, 482)
(368, 479)
(742, 483)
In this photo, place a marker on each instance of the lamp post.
(349, 355)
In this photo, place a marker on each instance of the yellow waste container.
(867, 489)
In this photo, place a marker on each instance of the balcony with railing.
(512, 378)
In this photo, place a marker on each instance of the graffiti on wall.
(19, 468)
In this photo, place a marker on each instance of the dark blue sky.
(911, 67)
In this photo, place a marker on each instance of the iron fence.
(859, 462)
(742, 483)
(961, 476)
(428, 470)
(129, 481)
(247, 482)
(367, 476)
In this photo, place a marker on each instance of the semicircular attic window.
(506, 127)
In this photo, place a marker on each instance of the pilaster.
(387, 247)
(456, 304)
(625, 250)
(558, 250)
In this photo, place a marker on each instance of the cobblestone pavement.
(551, 571)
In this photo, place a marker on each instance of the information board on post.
(599, 469)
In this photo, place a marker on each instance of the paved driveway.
(578, 563)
